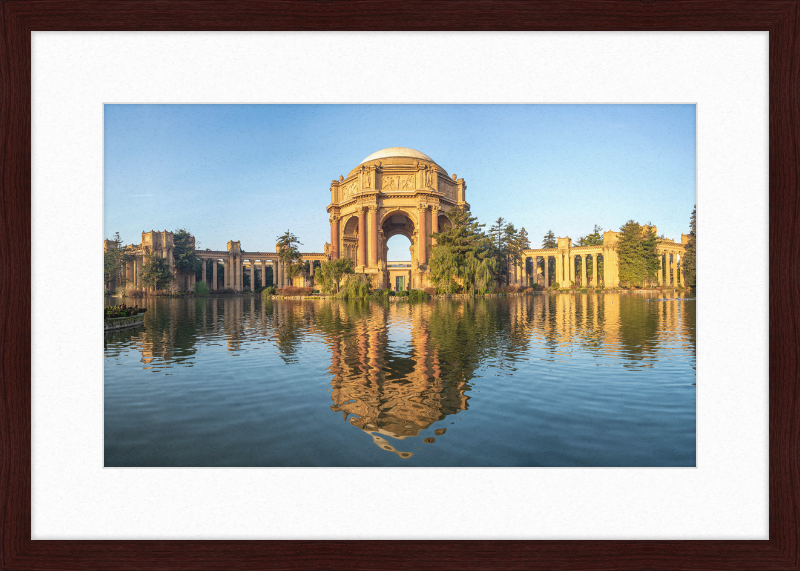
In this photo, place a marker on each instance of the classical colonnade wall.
(569, 258)
(234, 261)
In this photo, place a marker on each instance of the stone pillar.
(311, 267)
(362, 238)
(571, 277)
(660, 269)
(546, 272)
(434, 223)
(214, 285)
(583, 270)
(373, 235)
(594, 270)
(560, 268)
(334, 237)
(680, 272)
(422, 246)
(252, 274)
(674, 271)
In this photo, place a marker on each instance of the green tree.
(460, 254)
(156, 272)
(689, 258)
(520, 242)
(289, 253)
(184, 257)
(498, 249)
(549, 240)
(112, 256)
(330, 273)
(638, 260)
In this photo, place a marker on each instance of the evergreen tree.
(111, 260)
(460, 254)
(689, 258)
(638, 260)
(183, 254)
(499, 249)
(156, 272)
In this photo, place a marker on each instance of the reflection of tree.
(469, 332)
(638, 328)
(169, 333)
(288, 326)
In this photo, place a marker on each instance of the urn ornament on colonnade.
(395, 191)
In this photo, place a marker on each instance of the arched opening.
(350, 240)
(398, 250)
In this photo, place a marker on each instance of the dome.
(397, 152)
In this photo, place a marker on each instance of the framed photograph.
(102, 120)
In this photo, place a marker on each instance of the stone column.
(311, 267)
(660, 269)
(673, 271)
(252, 274)
(680, 272)
(334, 237)
(362, 238)
(434, 223)
(583, 270)
(571, 277)
(422, 246)
(373, 235)
(546, 272)
(560, 268)
(214, 285)
(594, 270)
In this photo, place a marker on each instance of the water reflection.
(398, 369)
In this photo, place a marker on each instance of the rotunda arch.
(395, 191)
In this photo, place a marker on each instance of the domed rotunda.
(393, 191)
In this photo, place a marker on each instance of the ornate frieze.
(349, 190)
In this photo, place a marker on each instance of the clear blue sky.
(250, 172)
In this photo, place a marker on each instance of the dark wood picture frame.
(779, 17)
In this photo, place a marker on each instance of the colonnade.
(234, 268)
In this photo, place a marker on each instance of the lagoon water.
(564, 379)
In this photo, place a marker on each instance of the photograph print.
(399, 285)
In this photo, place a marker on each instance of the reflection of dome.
(397, 152)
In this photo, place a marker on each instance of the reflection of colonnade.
(571, 263)
(234, 261)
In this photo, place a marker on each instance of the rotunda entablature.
(397, 172)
